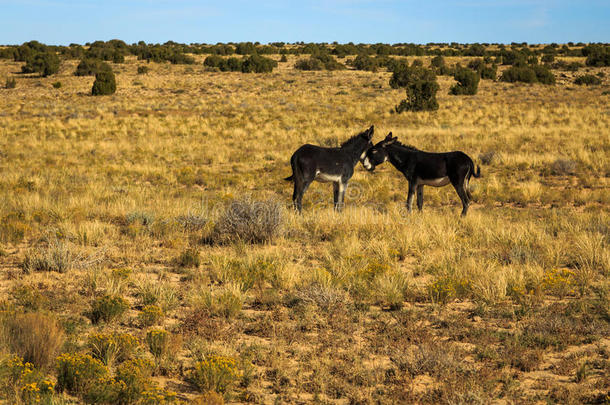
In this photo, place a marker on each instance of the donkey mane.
(353, 139)
(402, 145)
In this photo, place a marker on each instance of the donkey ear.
(370, 131)
(387, 138)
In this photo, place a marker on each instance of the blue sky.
(388, 21)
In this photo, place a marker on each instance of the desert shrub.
(514, 58)
(56, 85)
(597, 55)
(158, 342)
(528, 74)
(258, 64)
(150, 315)
(10, 83)
(135, 378)
(21, 383)
(587, 80)
(485, 71)
(365, 62)
(390, 290)
(142, 70)
(467, 82)
(283, 58)
(249, 221)
(214, 373)
(46, 64)
(548, 58)
(55, 257)
(421, 87)
(319, 61)
(309, 64)
(77, 372)
(90, 67)
(35, 337)
(104, 83)
(112, 347)
(162, 294)
(189, 258)
(563, 167)
(437, 62)
(225, 301)
(107, 308)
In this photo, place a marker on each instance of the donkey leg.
(336, 195)
(461, 191)
(410, 196)
(420, 197)
(342, 187)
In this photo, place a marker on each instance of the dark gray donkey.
(425, 169)
(336, 165)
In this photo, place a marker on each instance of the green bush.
(104, 83)
(485, 71)
(467, 82)
(142, 70)
(57, 85)
(528, 74)
(548, 58)
(108, 308)
(46, 64)
(309, 64)
(258, 64)
(365, 62)
(437, 62)
(587, 80)
(421, 87)
(597, 55)
(90, 67)
(10, 83)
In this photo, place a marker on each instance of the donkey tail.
(290, 178)
(476, 174)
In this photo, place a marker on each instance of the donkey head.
(367, 137)
(378, 153)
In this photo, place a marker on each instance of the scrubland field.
(116, 268)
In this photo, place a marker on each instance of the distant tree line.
(115, 50)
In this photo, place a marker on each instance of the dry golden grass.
(364, 306)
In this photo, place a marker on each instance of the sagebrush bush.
(467, 82)
(421, 87)
(249, 221)
(34, 336)
(598, 55)
(104, 84)
(55, 257)
(588, 80)
(108, 308)
(46, 64)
